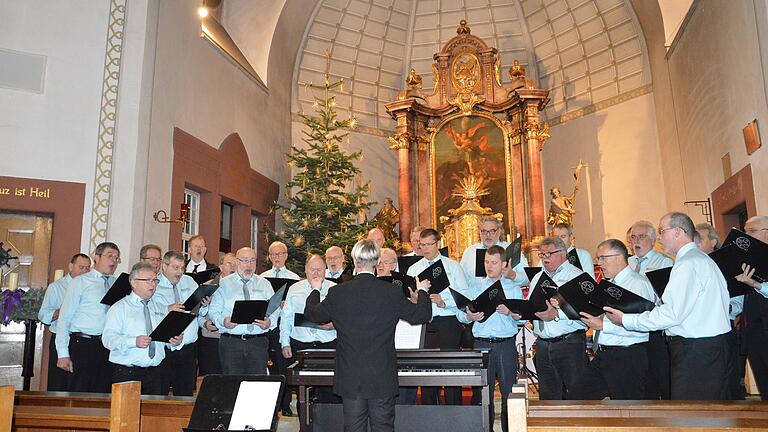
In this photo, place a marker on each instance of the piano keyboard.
(403, 373)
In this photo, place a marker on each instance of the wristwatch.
(557, 318)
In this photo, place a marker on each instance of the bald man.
(376, 235)
(334, 258)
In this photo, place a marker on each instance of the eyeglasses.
(603, 257)
(488, 232)
(151, 258)
(153, 281)
(661, 230)
(638, 237)
(428, 243)
(388, 262)
(277, 254)
(548, 254)
(755, 230)
(247, 261)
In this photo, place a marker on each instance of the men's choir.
(684, 348)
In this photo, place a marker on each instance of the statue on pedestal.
(386, 219)
(561, 207)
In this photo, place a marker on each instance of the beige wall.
(718, 86)
(622, 182)
(198, 90)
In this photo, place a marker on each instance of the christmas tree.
(323, 206)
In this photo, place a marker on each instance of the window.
(191, 228)
(255, 233)
(225, 239)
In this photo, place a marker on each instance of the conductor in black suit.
(364, 312)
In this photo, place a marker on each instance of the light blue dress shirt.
(470, 256)
(125, 322)
(585, 258)
(456, 278)
(231, 290)
(294, 303)
(54, 296)
(616, 335)
(735, 307)
(497, 325)
(164, 296)
(694, 303)
(651, 261)
(763, 289)
(551, 329)
(82, 311)
(283, 273)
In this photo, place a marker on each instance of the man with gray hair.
(561, 354)
(582, 258)
(642, 238)
(696, 325)
(709, 239)
(756, 311)
(134, 356)
(620, 366)
(365, 312)
(491, 230)
(173, 289)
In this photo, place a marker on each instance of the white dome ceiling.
(583, 51)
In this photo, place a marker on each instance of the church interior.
(155, 121)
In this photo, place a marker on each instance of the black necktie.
(194, 270)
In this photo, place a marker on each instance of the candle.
(509, 238)
(58, 274)
(13, 281)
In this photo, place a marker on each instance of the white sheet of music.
(255, 405)
(407, 336)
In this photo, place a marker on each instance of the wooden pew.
(156, 413)
(6, 408)
(121, 415)
(622, 416)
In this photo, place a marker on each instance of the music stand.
(522, 366)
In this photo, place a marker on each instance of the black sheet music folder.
(215, 402)
(119, 289)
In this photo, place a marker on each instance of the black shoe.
(287, 411)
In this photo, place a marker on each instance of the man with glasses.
(693, 313)
(81, 322)
(278, 255)
(755, 316)
(643, 239)
(491, 231)
(58, 379)
(561, 353)
(151, 254)
(620, 366)
(387, 262)
(243, 347)
(173, 290)
(134, 356)
(565, 233)
(334, 257)
(444, 331)
(295, 338)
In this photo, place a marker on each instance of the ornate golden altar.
(472, 131)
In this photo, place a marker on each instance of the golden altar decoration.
(470, 134)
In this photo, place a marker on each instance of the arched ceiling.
(584, 51)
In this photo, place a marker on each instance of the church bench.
(157, 412)
(96, 411)
(560, 416)
(611, 408)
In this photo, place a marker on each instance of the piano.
(424, 367)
